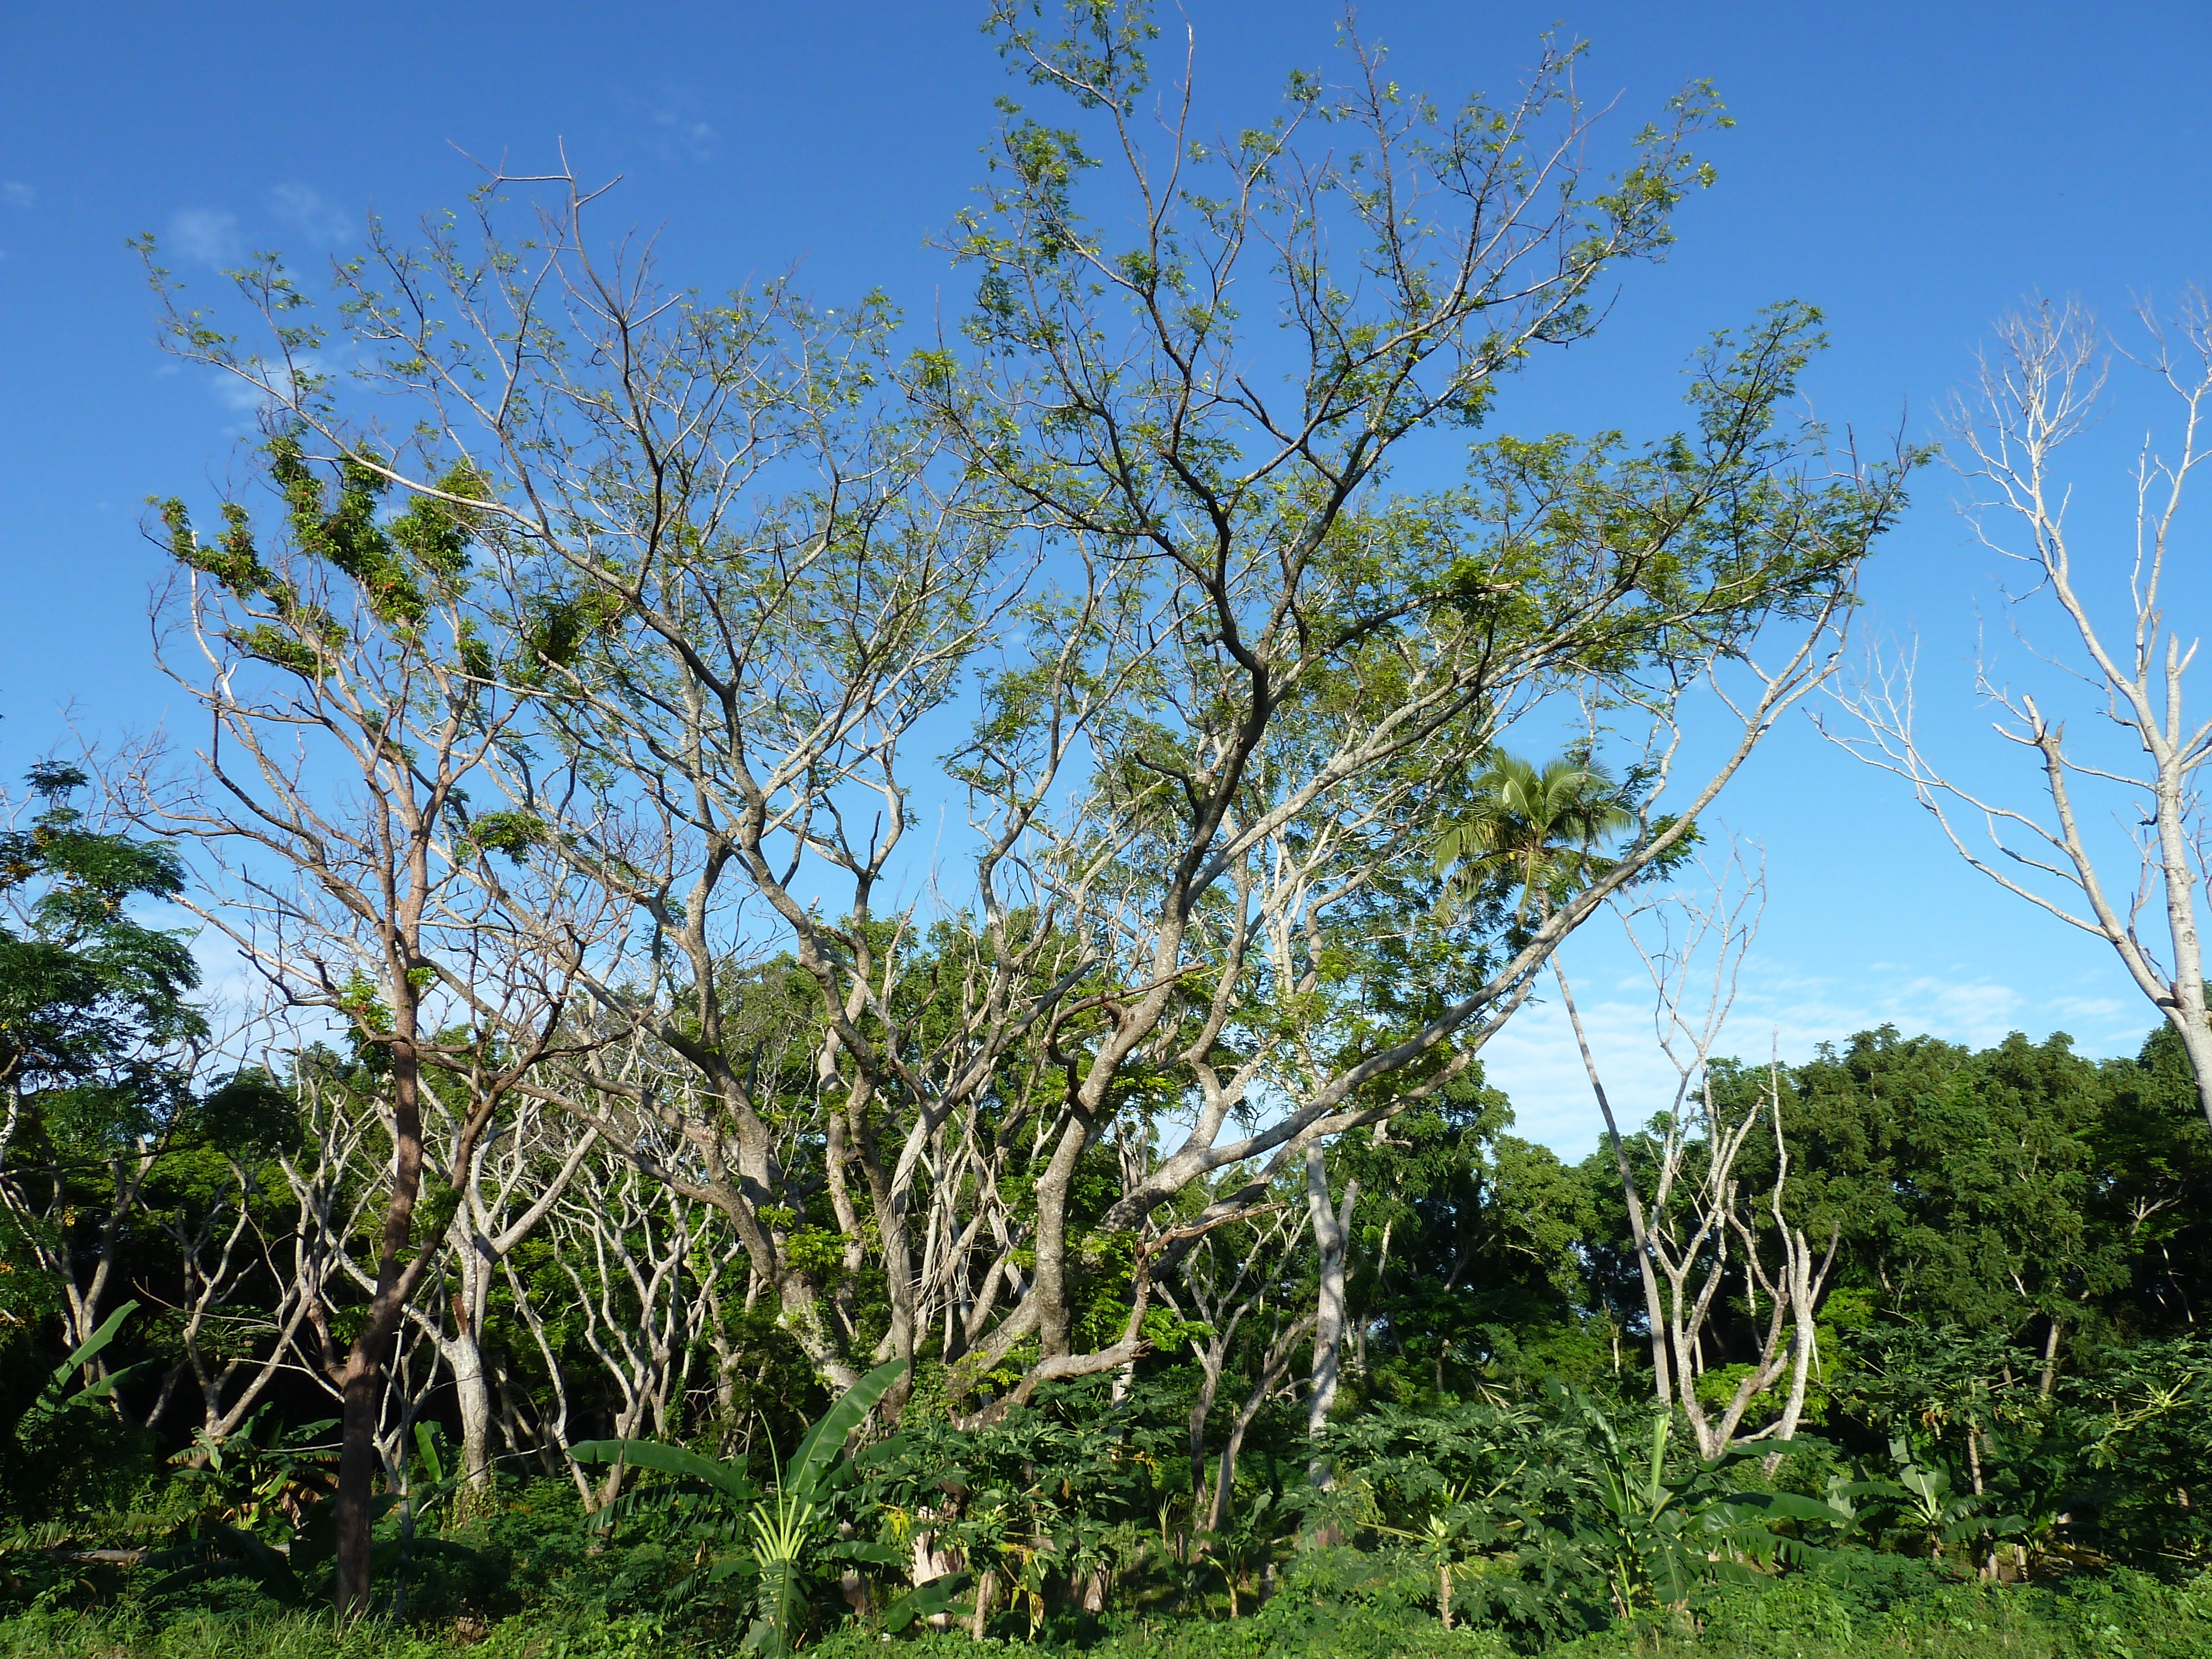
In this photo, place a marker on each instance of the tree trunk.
(1210, 1359)
(987, 1591)
(364, 1386)
(472, 1392)
(1050, 1286)
(1655, 1312)
(362, 1379)
(1805, 1287)
(1330, 1231)
(1272, 1364)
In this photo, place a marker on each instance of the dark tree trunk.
(363, 1378)
(364, 1383)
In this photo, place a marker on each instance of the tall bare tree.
(1310, 663)
(633, 1252)
(2115, 843)
(348, 709)
(248, 1290)
(1232, 1275)
(1697, 1238)
(519, 1170)
(1332, 1231)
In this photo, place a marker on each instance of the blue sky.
(1913, 169)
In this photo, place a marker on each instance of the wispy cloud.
(206, 236)
(676, 130)
(242, 395)
(1535, 1061)
(313, 214)
(2099, 1013)
(16, 195)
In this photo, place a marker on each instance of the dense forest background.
(795, 980)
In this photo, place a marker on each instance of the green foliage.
(511, 833)
(1967, 1186)
(1922, 1503)
(1055, 1492)
(58, 1396)
(1546, 1519)
(93, 1002)
(773, 1538)
(1327, 1608)
(400, 567)
(67, 1446)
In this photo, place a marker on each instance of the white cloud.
(321, 220)
(679, 133)
(236, 393)
(206, 236)
(18, 195)
(2098, 1012)
(233, 392)
(1535, 1061)
(693, 136)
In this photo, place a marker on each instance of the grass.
(2117, 1616)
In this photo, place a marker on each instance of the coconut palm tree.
(1540, 828)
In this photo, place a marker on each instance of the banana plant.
(1445, 1535)
(248, 1490)
(1647, 1517)
(252, 1483)
(1241, 1546)
(56, 1396)
(1667, 1532)
(433, 1486)
(1923, 1504)
(779, 1533)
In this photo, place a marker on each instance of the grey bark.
(1331, 1232)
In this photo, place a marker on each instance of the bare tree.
(2119, 661)
(35, 1198)
(1694, 1233)
(633, 1252)
(517, 1172)
(1232, 1275)
(1271, 1363)
(1300, 692)
(350, 711)
(242, 1310)
(554, 1442)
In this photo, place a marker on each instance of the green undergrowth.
(128, 1632)
(2120, 1615)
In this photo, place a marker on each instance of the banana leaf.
(724, 1479)
(927, 1601)
(218, 1551)
(819, 1452)
(53, 1397)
